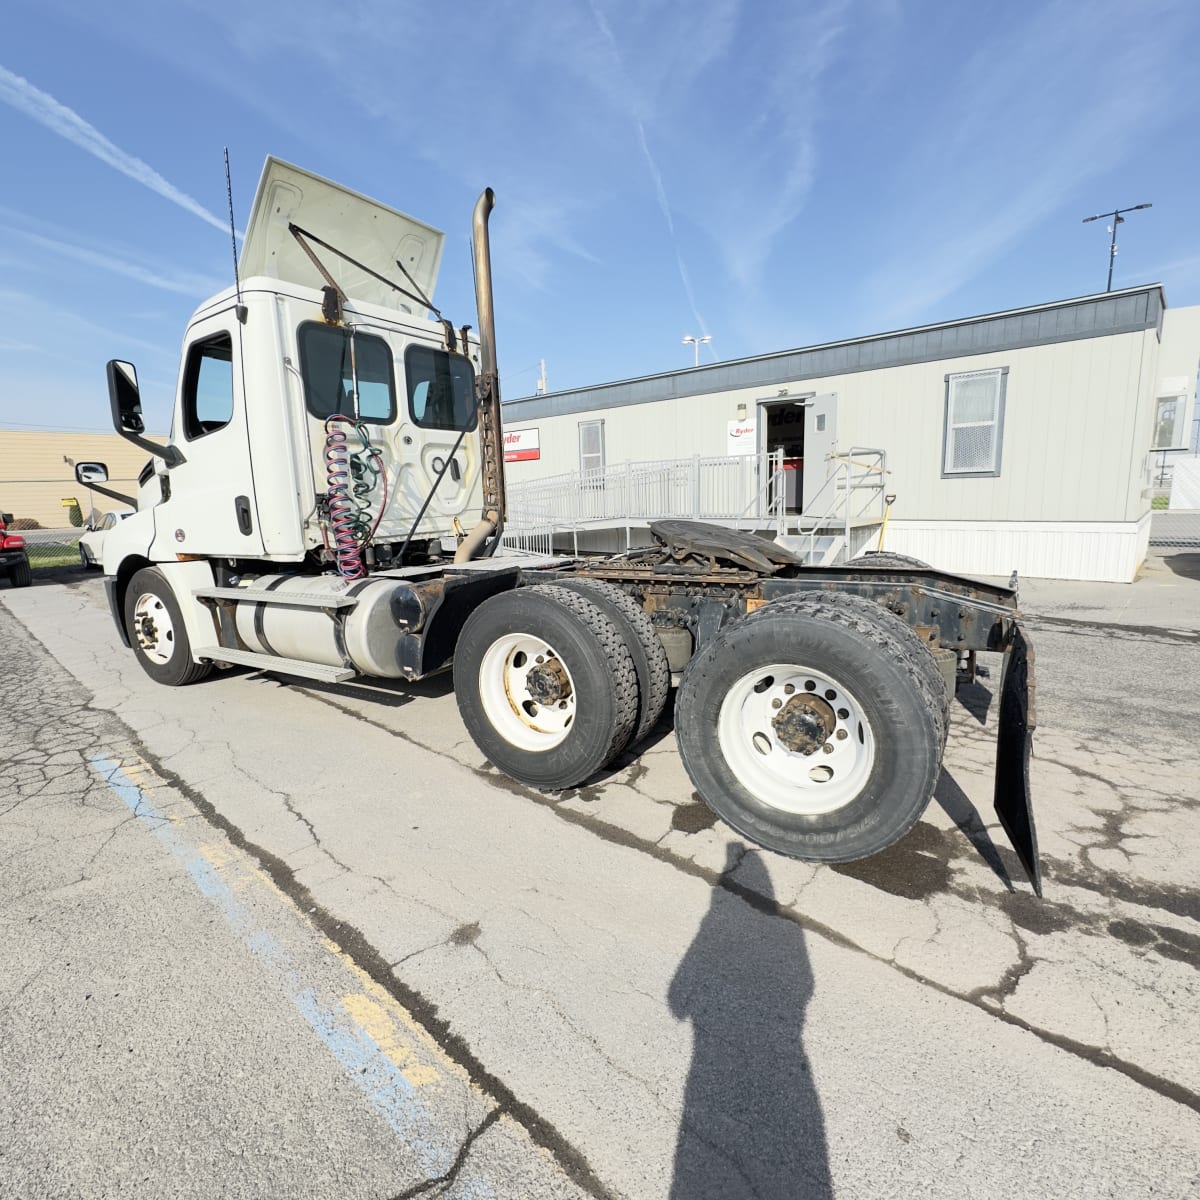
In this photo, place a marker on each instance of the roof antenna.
(241, 309)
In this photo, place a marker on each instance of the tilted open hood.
(370, 232)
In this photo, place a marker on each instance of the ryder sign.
(521, 445)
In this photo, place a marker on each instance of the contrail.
(58, 118)
(120, 266)
(660, 190)
(665, 205)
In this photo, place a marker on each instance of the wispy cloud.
(534, 223)
(118, 263)
(35, 315)
(984, 168)
(58, 118)
(1181, 272)
(767, 186)
(627, 90)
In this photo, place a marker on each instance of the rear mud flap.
(1018, 719)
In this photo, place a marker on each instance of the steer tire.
(156, 631)
(835, 805)
(21, 575)
(493, 665)
(649, 657)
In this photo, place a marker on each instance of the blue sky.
(772, 174)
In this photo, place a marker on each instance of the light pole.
(696, 343)
(1112, 246)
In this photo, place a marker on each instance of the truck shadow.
(390, 693)
(751, 1123)
(976, 699)
(918, 865)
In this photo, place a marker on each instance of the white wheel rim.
(786, 778)
(153, 628)
(505, 675)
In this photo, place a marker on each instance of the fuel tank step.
(270, 596)
(272, 662)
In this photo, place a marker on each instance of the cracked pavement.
(661, 1010)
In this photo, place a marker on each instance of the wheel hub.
(804, 724)
(147, 632)
(548, 682)
(797, 739)
(153, 628)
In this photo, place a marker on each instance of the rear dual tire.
(814, 726)
(645, 647)
(546, 685)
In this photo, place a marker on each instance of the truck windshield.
(441, 388)
(332, 360)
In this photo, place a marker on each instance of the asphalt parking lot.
(266, 937)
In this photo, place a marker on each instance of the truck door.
(210, 508)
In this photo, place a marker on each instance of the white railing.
(744, 489)
(853, 495)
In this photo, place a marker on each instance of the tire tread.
(622, 673)
(650, 659)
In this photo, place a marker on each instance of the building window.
(337, 363)
(208, 387)
(591, 450)
(1168, 423)
(974, 429)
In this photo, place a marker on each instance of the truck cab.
(268, 362)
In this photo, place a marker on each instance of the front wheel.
(22, 575)
(811, 727)
(157, 633)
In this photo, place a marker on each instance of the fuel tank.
(364, 623)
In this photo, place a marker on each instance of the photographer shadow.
(752, 1123)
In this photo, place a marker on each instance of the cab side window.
(208, 387)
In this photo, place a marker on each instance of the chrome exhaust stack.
(485, 537)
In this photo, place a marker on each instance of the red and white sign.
(521, 445)
(742, 437)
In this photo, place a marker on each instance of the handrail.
(841, 509)
(738, 490)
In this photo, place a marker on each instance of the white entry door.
(820, 440)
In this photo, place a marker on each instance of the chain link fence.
(1175, 528)
(52, 549)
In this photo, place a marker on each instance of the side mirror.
(125, 398)
(126, 403)
(89, 473)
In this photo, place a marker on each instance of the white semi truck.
(331, 503)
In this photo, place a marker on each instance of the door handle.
(241, 505)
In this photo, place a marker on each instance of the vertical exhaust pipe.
(487, 384)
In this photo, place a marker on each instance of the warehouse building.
(1016, 440)
(37, 473)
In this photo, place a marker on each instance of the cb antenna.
(237, 283)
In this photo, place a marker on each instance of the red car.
(14, 562)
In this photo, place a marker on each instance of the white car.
(91, 545)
